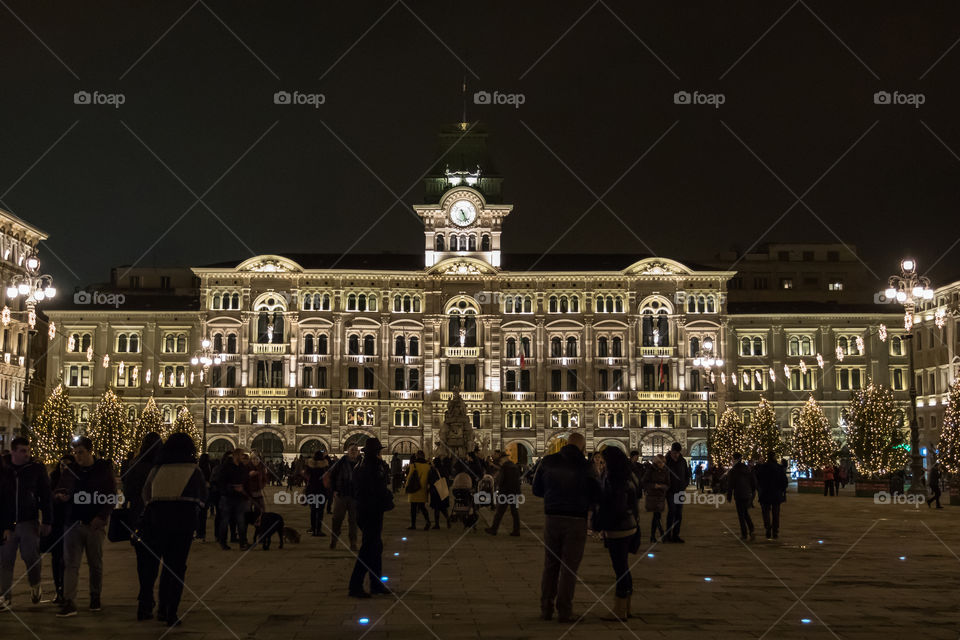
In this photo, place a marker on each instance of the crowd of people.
(169, 494)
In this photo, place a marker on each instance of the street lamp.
(910, 289)
(706, 361)
(32, 287)
(204, 357)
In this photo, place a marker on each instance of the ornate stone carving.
(658, 269)
(462, 269)
(268, 266)
(456, 437)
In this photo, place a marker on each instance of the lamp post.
(203, 358)
(706, 361)
(909, 288)
(33, 287)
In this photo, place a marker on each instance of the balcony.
(461, 352)
(258, 348)
(469, 396)
(403, 394)
(222, 392)
(363, 394)
(703, 396)
(313, 358)
(518, 396)
(229, 357)
(658, 395)
(267, 392)
(565, 396)
(360, 359)
(565, 361)
(614, 361)
(313, 393)
(658, 352)
(612, 395)
(400, 360)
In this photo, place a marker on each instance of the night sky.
(112, 186)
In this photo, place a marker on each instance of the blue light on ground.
(384, 579)
(708, 579)
(396, 554)
(404, 539)
(364, 620)
(819, 541)
(649, 555)
(805, 620)
(903, 557)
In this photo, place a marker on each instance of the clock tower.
(461, 218)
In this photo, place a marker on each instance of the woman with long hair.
(618, 521)
(133, 482)
(173, 493)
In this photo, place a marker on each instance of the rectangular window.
(836, 285)
(571, 379)
(368, 378)
(760, 282)
(617, 383)
(353, 378)
(833, 256)
(469, 377)
(786, 283)
(556, 380)
(783, 256)
(165, 282)
(897, 380)
(453, 376)
(602, 380)
(525, 380)
(808, 256)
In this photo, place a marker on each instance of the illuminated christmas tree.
(149, 420)
(185, 424)
(813, 443)
(763, 434)
(53, 429)
(948, 448)
(729, 437)
(109, 429)
(875, 432)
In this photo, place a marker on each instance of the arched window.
(322, 344)
(602, 346)
(232, 343)
(439, 242)
(414, 346)
(701, 304)
(691, 304)
(122, 343)
(400, 346)
(553, 306)
(525, 347)
(511, 350)
(617, 347)
(308, 343)
(806, 346)
(556, 347)
(745, 346)
(694, 347)
(842, 344)
(571, 351)
(896, 346)
(353, 345)
(711, 304)
(758, 346)
(216, 301)
(794, 346)
(368, 345)
(397, 302)
(485, 242)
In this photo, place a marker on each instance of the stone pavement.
(850, 567)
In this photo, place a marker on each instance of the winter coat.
(28, 492)
(173, 494)
(828, 474)
(423, 470)
(373, 496)
(679, 473)
(567, 483)
(508, 478)
(771, 483)
(655, 497)
(314, 471)
(341, 477)
(619, 508)
(97, 478)
(741, 483)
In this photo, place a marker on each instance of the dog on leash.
(265, 525)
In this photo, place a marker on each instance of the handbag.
(413, 483)
(443, 492)
(121, 525)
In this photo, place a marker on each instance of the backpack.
(413, 483)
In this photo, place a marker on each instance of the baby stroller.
(463, 508)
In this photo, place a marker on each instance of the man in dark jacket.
(771, 492)
(934, 485)
(569, 487)
(373, 500)
(508, 495)
(679, 472)
(344, 496)
(29, 497)
(741, 485)
(90, 492)
(233, 501)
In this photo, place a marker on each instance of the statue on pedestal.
(456, 433)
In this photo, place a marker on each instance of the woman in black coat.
(655, 483)
(618, 521)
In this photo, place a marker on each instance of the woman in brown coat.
(655, 483)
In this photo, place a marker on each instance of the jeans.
(420, 507)
(619, 549)
(369, 558)
(498, 516)
(26, 537)
(81, 539)
(345, 506)
(564, 538)
(655, 526)
(674, 513)
(769, 510)
(232, 510)
(172, 547)
(743, 514)
(316, 518)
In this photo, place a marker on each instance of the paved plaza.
(843, 567)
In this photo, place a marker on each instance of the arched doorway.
(654, 445)
(217, 448)
(310, 447)
(405, 450)
(356, 439)
(269, 445)
(612, 443)
(520, 452)
(557, 443)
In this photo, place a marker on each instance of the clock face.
(463, 213)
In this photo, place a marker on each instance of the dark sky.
(199, 78)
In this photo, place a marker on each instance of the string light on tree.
(860, 345)
(948, 447)
(730, 437)
(840, 354)
(52, 432)
(882, 332)
(763, 432)
(813, 443)
(875, 431)
(820, 361)
(109, 430)
(52, 330)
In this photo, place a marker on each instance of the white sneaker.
(36, 594)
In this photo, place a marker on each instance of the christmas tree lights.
(948, 448)
(729, 437)
(109, 430)
(813, 443)
(763, 434)
(875, 432)
(51, 434)
(185, 424)
(149, 420)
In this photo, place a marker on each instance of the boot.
(629, 611)
(620, 609)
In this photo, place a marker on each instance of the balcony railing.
(313, 393)
(610, 361)
(222, 392)
(405, 394)
(267, 392)
(360, 359)
(229, 357)
(314, 358)
(268, 349)
(564, 395)
(405, 359)
(518, 396)
(474, 396)
(461, 352)
(657, 352)
(703, 396)
(612, 395)
(360, 393)
(658, 395)
(565, 361)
